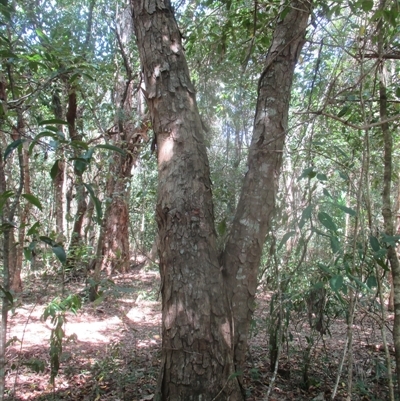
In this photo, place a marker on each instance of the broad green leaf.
(347, 210)
(322, 177)
(308, 173)
(367, 5)
(344, 176)
(54, 170)
(79, 144)
(374, 243)
(33, 229)
(285, 239)
(327, 221)
(27, 254)
(336, 282)
(47, 240)
(32, 199)
(391, 240)
(335, 244)
(372, 282)
(398, 92)
(12, 146)
(111, 147)
(96, 202)
(60, 253)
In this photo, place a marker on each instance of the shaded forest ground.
(112, 351)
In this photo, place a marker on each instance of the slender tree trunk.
(386, 195)
(5, 304)
(78, 229)
(114, 240)
(388, 217)
(59, 179)
(197, 340)
(256, 205)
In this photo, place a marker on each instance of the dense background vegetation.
(77, 149)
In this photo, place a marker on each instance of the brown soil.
(112, 349)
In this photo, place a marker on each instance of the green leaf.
(374, 243)
(391, 240)
(111, 147)
(221, 227)
(12, 146)
(326, 193)
(32, 199)
(397, 92)
(367, 5)
(322, 177)
(306, 215)
(96, 202)
(60, 253)
(336, 282)
(47, 240)
(344, 176)
(308, 173)
(344, 111)
(327, 221)
(33, 229)
(54, 170)
(335, 244)
(347, 210)
(372, 282)
(285, 239)
(42, 135)
(27, 254)
(3, 198)
(53, 121)
(7, 294)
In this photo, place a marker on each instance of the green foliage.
(56, 311)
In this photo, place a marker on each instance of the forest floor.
(112, 348)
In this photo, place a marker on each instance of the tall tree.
(207, 297)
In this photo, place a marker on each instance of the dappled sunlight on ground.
(112, 352)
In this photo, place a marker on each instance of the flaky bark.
(115, 239)
(256, 205)
(197, 344)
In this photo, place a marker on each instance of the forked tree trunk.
(207, 300)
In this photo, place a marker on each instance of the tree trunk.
(78, 229)
(242, 253)
(197, 340)
(59, 179)
(208, 305)
(388, 218)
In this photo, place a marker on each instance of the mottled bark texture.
(197, 341)
(256, 205)
(388, 216)
(208, 300)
